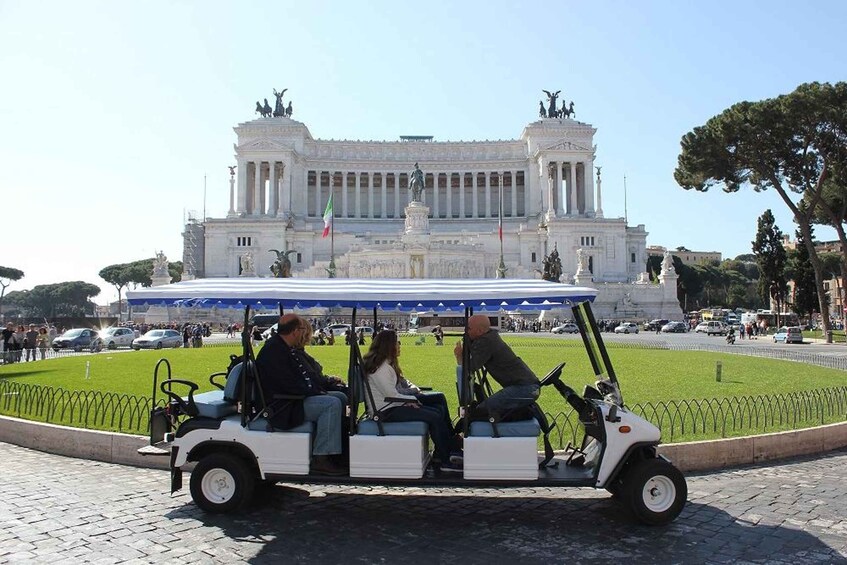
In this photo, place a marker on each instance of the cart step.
(163, 448)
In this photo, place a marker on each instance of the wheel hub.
(659, 493)
(218, 486)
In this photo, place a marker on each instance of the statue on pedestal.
(552, 111)
(581, 261)
(279, 107)
(667, 264)
(247, 266)
(416, 183)
(552, 266)
(160, 265)
(281, 268)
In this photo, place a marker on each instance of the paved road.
(60, 510)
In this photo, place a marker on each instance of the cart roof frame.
(383, 294)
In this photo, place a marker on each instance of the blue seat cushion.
(415, 428)
(261, 425)
(212, 405)
(522, 428)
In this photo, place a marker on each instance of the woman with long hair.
(381, 366)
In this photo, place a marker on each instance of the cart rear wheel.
(221, 483)
(655, 491)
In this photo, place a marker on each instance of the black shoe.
(323, 465)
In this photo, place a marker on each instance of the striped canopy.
(385, 294)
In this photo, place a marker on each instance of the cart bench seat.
(521, 428)
(213, 405)
(370, 428)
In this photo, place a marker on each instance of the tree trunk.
(803, 222)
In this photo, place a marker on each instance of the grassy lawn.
(645, 375)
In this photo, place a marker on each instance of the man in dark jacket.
(520, 385)
(282, 371)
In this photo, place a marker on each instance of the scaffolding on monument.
(190, 251)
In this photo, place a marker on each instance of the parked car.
(627, 328)
(675, 327)
(112, 338)
(157, 339)
(569, 328)
(76, 339)
(337, 329)
(788, 334)
(654, 325)
(712, 327)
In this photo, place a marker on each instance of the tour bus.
(227, 437)
(769, 317)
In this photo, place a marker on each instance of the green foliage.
(805, 289)
(792, 144)
(7, 276)
(770, 258)
(71, 299)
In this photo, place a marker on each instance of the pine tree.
(770, 257)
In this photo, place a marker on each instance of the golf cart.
(227, 436)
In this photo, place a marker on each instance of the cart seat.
(221, 403)
(521, 428)
(415, 428)
(262, 425)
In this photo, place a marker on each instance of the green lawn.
(646, 375)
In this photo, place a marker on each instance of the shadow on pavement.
(294, 525)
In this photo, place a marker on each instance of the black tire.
(77, 348)
(159, 345)
(221, 483)
(111, 345)
(655, 491)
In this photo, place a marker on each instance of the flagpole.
(331, 270)
(501, 268)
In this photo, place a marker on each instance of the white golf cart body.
(233, 449)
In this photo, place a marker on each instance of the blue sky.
(111, 113)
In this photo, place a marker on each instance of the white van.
(712, 327)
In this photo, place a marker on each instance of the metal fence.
(679, 420)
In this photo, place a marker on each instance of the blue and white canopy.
(385, 294)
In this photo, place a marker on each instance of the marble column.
(231, 211)
(462, 195)
(358, 194)
(383, 193)
(318, 190)
(475, 195)
(370, 195)
(514, 175)
(488, 194)
(344, 189)
(448, 191)
(588, 175)
(435, 198)
(397, 194)
(599, 212)
(258, 207)
(273, 189)
(242, 187)
(573, 189)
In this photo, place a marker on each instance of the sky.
(116, 117)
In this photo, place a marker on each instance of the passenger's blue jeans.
(438, 430)
(511, 398)
(326, 410)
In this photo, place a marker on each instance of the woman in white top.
(382, 369)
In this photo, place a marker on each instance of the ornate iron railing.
(679, 420)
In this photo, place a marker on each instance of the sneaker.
(451, 467)
(457, 458)
(323, 465)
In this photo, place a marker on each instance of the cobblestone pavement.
(62, 510)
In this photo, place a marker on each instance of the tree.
(119, 276)
(800, 271)
(770, 257)
(7, 276)
(791, 144)
(72, 298)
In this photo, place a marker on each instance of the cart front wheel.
(655, 491)
(221, 483)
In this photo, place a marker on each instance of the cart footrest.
(160, 449)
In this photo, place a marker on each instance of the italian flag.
(328, 216)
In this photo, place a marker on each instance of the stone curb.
(692, 456)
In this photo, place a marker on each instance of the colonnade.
(570, 189)
(261, 188)
(385, 194)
